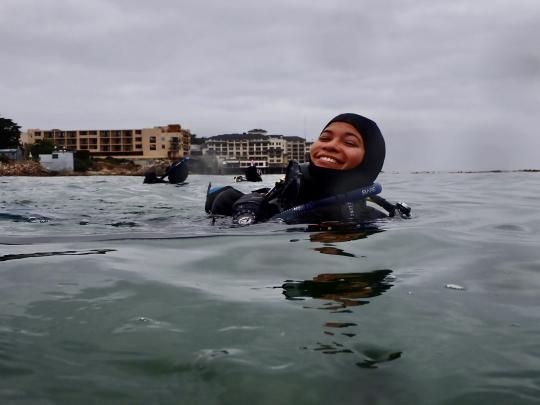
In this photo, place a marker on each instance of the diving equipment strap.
(351, 196)
(403, 209)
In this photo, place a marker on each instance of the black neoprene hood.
(373, 143)
(332, 181)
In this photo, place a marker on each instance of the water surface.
(114, 291)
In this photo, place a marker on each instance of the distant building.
(57, 161)
(296, 148)
(268, 152)
(13, 154)
(166, 142)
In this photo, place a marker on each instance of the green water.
(116, 292)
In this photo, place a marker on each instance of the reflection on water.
(328, 232)
(330, 250)
(63, 253)
(341, 235)
(344, 291)
(335, 232)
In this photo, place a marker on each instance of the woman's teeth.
(328, 159)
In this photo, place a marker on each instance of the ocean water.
(117, 292)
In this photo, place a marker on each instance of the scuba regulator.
(248, 209)
(257, 206)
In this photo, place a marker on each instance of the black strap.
(388, 206)
(403, 209)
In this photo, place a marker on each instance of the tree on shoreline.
(82, 161)
(42, 147)
(10, 133)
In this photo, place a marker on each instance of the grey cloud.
(446, 81)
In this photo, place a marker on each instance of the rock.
(23, 168)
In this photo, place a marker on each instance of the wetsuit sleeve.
(221, 201)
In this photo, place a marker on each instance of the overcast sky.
(452, 84)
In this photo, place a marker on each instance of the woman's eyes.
(352, 142)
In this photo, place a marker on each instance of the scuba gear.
(286, 193)
(152, 178)
(337, 200)
(250, 208)
(291, 193)
(177, 173)
(285, 202)
(403, 209)
(219, 200)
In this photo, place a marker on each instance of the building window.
(162, 146)
(152, 147)
(55, 155)
(153, 139)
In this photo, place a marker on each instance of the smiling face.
(340, 147)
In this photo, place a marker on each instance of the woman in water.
(347, 156)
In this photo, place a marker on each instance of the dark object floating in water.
(22, 218)
(339, 324)
(129, 224)
(64, 253)
(252, 174)
(176, 173)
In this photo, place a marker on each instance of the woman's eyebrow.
(356, 135)
(353, 134)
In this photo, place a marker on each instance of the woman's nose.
(331, 145)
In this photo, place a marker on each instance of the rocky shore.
(32, 168)
(24, 168)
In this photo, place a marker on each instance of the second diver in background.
(176, 173)
(252, 173)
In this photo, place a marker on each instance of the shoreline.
(32, 168)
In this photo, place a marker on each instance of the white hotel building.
(268, 152)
